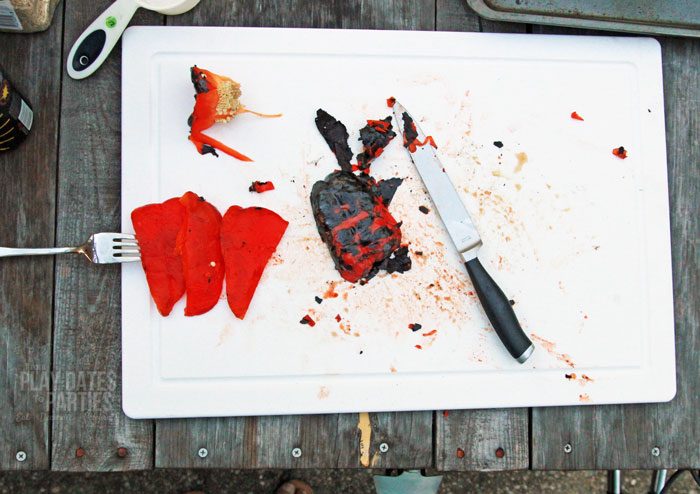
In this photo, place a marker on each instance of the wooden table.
(60, 318)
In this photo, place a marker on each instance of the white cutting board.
(576, 236)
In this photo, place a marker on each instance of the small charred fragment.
(207, 149)
(386, 188)
(399, 261)
(410, 133)
(374, 136)
(351, 211)
(200, 83)
(336, 136)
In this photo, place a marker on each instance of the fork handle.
(12, 252)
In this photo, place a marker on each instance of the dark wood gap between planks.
(62, 8)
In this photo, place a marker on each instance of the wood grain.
(89, 426)
(27, 199)
(468, 439)
(622, 436)
(325, 440)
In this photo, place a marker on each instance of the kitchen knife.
(464, 235)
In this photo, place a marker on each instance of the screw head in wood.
(202, 452)
(296, 452)
(21, 456)
(384, 447)
(567, 448)
(655, 451)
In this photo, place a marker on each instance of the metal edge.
(483, 10)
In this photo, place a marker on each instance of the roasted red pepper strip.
(157, 227)
(202, 261)
(576, 116)
(249, 237)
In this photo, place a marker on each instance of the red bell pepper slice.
(249, 237)
(157, 227)
(202, 262)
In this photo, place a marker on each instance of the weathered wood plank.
(325, 440)
(607, 437)
(456, 15)
(27, 199)
(478, 434)
(89, 426)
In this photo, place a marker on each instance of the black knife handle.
(500, 312)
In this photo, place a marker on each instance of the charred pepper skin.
(374, 136)
(351, 211)
(336, 136)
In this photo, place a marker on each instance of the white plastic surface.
(576, 236)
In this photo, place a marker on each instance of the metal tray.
(675, 18)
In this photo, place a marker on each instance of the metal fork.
(100, 248)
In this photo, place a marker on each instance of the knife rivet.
(296, 452)
(202, 453)
(655, 451)
(384, 447)
(567, 448)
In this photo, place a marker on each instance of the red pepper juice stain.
(430, 333)
(330, 292)
(338, 318)
(419, 347)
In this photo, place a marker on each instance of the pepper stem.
(264, 115)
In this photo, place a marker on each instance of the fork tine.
(125, 246)
(108, 247)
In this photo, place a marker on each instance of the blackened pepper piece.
(410, 133)
(398, 262)
(353, 221)
(385, 189)
(336, 136)
(374, 136)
